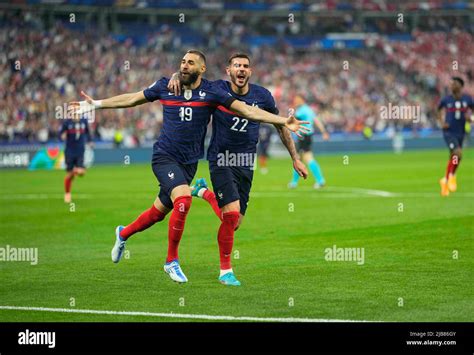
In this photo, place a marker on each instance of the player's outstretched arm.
(288, 142)
(255, 114)
(119, 101)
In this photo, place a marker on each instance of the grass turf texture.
(408, 254)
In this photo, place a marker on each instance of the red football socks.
(68, 183)
(210, 197)
(225, 237)
(144, 221)
(181, 208)
(456, 161)
(453, 164)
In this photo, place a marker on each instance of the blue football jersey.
(77, 134)
(185, 118)
(456, 110)
(232, 133)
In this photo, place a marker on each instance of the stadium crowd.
(41, 70)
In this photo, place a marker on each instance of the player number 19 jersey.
(185, 118)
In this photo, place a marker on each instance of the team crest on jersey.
(188, 94)
(171, 175)
(202, 95)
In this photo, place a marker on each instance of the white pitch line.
(361, 190)
(306, 194)
(177, 315)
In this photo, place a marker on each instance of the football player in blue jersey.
(232, 156)
(452, 118)
(179, 146)
(75, 133)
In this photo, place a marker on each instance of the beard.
(189, 79)
(234, 79)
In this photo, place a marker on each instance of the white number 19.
(186, 113)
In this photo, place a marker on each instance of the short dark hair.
(238, 55)
(198, 53)
(458, 79)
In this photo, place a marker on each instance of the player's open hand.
(296, 126)
(300, 168)
(76, 109)
(325, 136)
(445, 126)
(174, 85)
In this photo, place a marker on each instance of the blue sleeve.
(221, 96)
(270, 105)
(219, 84)
(153, 92)
(442, 103)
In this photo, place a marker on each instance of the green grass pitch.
(418, 246)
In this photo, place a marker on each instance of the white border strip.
(177, 315)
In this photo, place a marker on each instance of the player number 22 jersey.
(232, 133)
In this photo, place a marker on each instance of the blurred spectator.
(41, 70)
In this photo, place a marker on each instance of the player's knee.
(160, 206)
(156, 215)
(231, 219)
(233, 206)
(181, 190)
(307, 157)
(239, 222)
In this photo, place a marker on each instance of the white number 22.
(237, 120)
